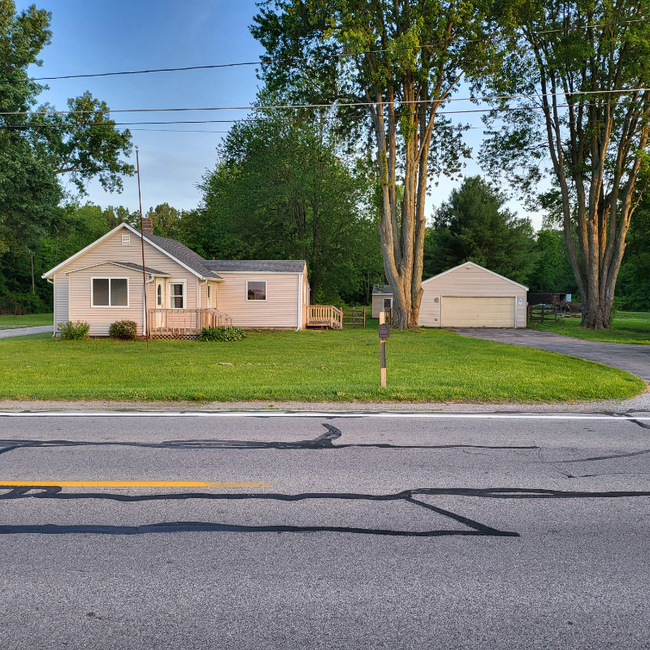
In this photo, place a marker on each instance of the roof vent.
(147, 225)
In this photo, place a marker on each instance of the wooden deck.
(326, 316)
(184, 323)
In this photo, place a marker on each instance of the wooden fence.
(542, 313)
(354, 317)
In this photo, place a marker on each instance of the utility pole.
(144, 274)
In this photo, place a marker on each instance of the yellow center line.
(131, 484)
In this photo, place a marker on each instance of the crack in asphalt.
(475, 528)
(322, 442)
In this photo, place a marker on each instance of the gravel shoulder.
(639, 404)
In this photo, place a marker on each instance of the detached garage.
(466, 296)
(472, 296)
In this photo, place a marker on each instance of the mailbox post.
(384, 335)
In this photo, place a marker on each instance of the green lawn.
(627, 327)
(425, 365)
(27, 320)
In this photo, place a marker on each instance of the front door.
(160, 302)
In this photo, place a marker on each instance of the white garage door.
(478, 312)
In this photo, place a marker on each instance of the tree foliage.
(580, 73)
(280, 191)
(634, 280)
(403, 59)
(552, 272)
(37, 151)
(475, 226)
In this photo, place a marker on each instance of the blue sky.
(91, 37)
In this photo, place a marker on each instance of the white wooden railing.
(185, 322)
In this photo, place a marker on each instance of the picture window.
(255, 290)
(110, 292)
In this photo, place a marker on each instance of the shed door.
(478, 312)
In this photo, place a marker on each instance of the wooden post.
(382, 353)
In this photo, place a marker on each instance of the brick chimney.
(147, 225)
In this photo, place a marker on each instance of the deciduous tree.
(579, 71)
(397, 62)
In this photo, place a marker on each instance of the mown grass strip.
(26, 320)
(423, 366)
(632, 327)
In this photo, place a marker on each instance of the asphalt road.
(371, 532)
(631, 357)
(24, 331)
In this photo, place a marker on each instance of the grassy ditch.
(423, 366)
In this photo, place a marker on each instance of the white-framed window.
(109, 292)
(126, 239)
(388, 304)
(159, 294)
(255, 290)
(177, 292)
(209, 295)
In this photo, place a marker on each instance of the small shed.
(382, 299)
(469, 295)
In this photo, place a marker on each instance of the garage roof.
(476, 266)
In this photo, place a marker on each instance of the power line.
(236, 121)
(335, 55)
(491, 98)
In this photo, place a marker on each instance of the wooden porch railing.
(185, 322)
(324, 316)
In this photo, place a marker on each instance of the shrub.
(74, 331)
(125, 330)
(221, 334)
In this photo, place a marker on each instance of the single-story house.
(468, 295)
(103, 283)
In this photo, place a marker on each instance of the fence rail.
(324, 316)
(178, 323)
(542, 313)
(354, 317)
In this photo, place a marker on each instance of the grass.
(27, 320)
(627, 327)
(423, 366)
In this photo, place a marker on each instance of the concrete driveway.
(23, 331)
(631, 358)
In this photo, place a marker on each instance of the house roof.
(170, 247)
(127, 265)
(256, 266)
(379, 289)
(183, 254)
(477, 266)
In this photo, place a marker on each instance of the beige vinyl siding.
(204, 294)
(378, 302)
(100, 318)
(278, 311)
(305, 300)
(61, 295)
(111, 249)
(472, 282)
